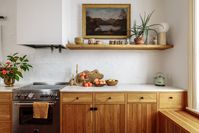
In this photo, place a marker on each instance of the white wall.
(127, 66)
(176, 60)
(31, 14)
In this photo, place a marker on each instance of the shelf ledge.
(118, 47)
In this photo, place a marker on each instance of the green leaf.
(19, 74)
(16, 77)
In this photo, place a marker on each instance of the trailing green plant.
(14, 66)
(143, 29)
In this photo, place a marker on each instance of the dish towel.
(40, 110)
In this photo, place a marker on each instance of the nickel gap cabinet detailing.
(116, 112)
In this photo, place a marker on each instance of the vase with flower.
(13, 68)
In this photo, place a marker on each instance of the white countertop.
(118, 88)
(3, 88)
(123, 88)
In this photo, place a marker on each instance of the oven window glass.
(26, 117)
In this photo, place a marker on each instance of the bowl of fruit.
(111, 82)
(99, 82)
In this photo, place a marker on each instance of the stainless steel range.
(23, 98)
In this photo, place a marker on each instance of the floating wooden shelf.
(118, 47)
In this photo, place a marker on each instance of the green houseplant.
(143, 29)
(13, 68)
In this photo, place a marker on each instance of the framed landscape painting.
(106, 20)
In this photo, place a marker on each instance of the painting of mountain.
(105, 22)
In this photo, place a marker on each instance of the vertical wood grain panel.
(142, 118)
(110, 119)
(76, 119)
(5, 127)
(5, 112)
(168, 126)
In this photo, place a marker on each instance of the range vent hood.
(44, 46)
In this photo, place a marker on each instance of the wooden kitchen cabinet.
(116, 112)
(76, 113)
(172, 100)
(5, 112)
(110, 113)
(141, 113)
(77, 118)
(93, 113)
(5, 127)
(110, 118)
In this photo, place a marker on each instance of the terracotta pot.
(139, 40)
(9, 81)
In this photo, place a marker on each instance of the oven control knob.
(30, 95)
(18, 96)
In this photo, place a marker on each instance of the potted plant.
(140, 30)
(12, 69)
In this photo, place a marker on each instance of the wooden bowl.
(112, 82)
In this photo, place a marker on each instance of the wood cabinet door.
(5, 112)
(77, 118)
(110, 118)
(5, 127)
(141, 117)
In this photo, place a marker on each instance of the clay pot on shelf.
(79, 40)
(139, 40)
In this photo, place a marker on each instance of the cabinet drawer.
(142, 97)
(77, 97)
(5, 97)
(172, 100)
(109, 98)
(5, 127)
(5, 112)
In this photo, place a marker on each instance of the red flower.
(8, 62)
(4, 72)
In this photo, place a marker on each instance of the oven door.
(23, 121)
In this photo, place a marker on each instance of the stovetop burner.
(41, 87)
(38, 91)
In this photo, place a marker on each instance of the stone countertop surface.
(123, 88)
(118, 88)
(3, 88)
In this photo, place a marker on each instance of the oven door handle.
(30, 103)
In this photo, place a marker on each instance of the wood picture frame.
(106, 21)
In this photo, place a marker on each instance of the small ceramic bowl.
(111, 82)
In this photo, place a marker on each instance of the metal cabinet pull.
(141, 97)
(93, 108)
